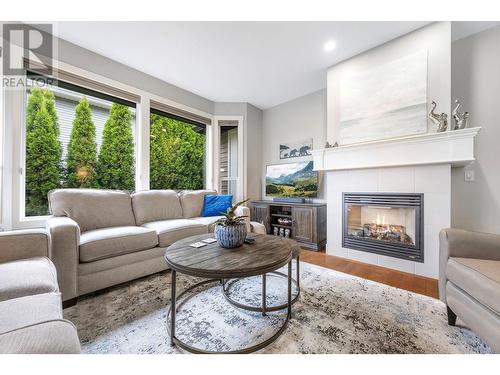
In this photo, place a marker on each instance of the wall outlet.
(469, 175)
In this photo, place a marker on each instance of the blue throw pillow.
(215, 205)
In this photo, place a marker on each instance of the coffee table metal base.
(226, 286)
(173, 309)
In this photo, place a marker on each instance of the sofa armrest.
(57, 336)
(467, 244)
(65, 239)
(464, 244)
(244, 211)
(22, 244)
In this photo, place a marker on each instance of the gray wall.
(83, 58)
(476, 82)
(296, 120)
(254, 152)
(230, 109)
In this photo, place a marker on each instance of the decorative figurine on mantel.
(461, 120)
(441, 120)
(328, 145)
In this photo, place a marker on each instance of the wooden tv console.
(308, 220)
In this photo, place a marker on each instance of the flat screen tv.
(292, 180)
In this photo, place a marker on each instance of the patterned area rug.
(336, 313)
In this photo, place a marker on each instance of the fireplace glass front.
(387, 224)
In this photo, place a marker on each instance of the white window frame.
(13, 187)
(241, 184)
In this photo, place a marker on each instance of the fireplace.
(386, 224)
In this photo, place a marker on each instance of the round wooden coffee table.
(216, 264)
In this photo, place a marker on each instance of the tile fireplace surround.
(414, 164)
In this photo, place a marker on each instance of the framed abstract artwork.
(386, 101)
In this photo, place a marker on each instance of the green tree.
(177, 154)
(39, 98)
(115, 165)
(43, 151)
(82, 149)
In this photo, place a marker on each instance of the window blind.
(180, 114)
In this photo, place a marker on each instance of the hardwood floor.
(414, 283)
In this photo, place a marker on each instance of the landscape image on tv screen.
(291, 180)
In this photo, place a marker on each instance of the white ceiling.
(263, 63)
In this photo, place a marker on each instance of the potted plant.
(231, 230)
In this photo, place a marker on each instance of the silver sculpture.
(461, 120)
(328, 145)
(441, 120)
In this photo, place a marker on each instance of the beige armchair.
(31, 319)
(469, 281)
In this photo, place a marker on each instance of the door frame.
(242, 186)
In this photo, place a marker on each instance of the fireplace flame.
(381, 219)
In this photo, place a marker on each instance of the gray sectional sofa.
(102, 238)
(31, 319)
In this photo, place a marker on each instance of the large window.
(177, 152)
(88, 131)
(75, 138)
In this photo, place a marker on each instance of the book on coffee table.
(209, 240)
(198, 244)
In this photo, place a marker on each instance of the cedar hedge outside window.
(76, 138)
(177, 152)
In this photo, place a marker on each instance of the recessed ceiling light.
(329, 46)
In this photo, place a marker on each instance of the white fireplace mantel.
(451, 147)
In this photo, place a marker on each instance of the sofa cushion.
(135, 259)
(170, 231)
(109, 242)
(27, 277)
(24, 311)
(57, 336)
(208, 221)
(155, 205)
(477, 277)
(192, 202)
(93, 208)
